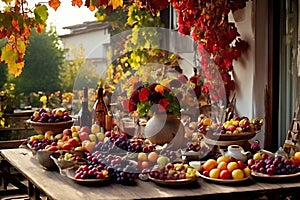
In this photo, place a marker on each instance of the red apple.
(107, 134)
(84, 136)
(206, 173)
(67, 147)
(241, 164)
(225, 174)
(73, 142)
(250, 162)
(67, 132)
(51, 148)
(231, 128)
(85, 129)
(65, 138)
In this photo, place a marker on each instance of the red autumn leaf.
(77, 3)
(54, 4)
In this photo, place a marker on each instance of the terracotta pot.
(165, 128)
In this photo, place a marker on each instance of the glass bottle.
(84, 114)
(100, 109)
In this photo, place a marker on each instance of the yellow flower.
(43, 99)
(159, 89)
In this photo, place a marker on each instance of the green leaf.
(8, 55)
(40, 13)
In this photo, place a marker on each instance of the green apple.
(100, 136)
(162, 160)
(78, 148)
(92, 137)
(75, 134)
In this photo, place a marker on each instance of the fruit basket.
(55, 127)
(233, 137)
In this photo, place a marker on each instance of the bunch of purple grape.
(119, 170)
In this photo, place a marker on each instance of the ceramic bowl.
(43, 157)
(55, 127)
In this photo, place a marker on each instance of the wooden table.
(55, 186)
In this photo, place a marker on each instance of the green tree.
(3, 68)
(44, 59)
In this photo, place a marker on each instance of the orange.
(222, 165)
(209, 164)
(297, 155)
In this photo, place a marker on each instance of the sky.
(67, 15)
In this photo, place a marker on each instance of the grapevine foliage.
(207, 21)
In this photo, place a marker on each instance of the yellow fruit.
(247, 171)
(232, 166)
(257, 156)
(297, 155)
(222, 159)
(214, 173)
(206, 121)
(237, 174)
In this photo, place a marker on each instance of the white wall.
(251, 69)
(92, 42)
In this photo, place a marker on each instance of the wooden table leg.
(33, 192)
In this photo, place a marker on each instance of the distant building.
(93, 37)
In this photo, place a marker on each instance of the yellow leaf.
(116, 3)
(21, 47)
(16, 68)
(54, 4)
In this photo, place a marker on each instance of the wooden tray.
(224, 181)
(173, 182)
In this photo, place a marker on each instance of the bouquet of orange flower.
(154, 97)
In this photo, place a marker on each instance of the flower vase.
(165, 128)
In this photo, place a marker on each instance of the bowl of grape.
(55, 120)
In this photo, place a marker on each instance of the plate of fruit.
(239, 128)
(85, 176)
(224, 170)
(173, 174)
(264, 166)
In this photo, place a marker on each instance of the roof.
(85, 27)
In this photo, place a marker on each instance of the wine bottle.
(100, 109)
(84, 114)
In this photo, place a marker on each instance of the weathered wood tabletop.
(56, 186)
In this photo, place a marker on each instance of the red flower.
(143, 95)
(129, 105)
(164, 105)
(194, 79)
